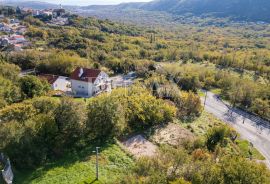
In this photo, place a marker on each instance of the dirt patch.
(172, 134)
(139, 146)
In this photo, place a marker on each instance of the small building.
(15, 39)
(58, 12)
(26, 11)
(46, 13)
(20, 30)
(58, 83)
(87, 82)
(35, 13)
(17, 47)
(5, 28)
(14, 21)
(4, 42)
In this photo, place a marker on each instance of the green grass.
(202, 124)
(114, 163)
(201, 94)
(216, 91)
(248, 150)
(40, 42)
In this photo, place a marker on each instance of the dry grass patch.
(140, 147)
(172, 134)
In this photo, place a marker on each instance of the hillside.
(243, 10)
(49, 135)
(254, 10)
(34, 4)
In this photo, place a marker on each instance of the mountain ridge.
(243, 10)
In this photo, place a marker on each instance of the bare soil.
(172, 134)
(139, 146)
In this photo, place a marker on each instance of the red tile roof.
(88, 75)
(50, 78)
(17, 36)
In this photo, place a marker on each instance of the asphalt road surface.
(251, 128)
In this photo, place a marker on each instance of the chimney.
(81, 72)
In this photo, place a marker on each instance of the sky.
(90, 2)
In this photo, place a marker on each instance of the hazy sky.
(91, 2)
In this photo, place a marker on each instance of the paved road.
(251, 128)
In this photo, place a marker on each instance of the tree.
(237, 170)
(217, 135)
(9, 71)
(25, 59)
(144, 110)
(261, 107)
(106, 118)
(9, 92)
(188, 83)
(32, 86)
(189, 105)
(125, 111)
(62, 63)
(70, 121)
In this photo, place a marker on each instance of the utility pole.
(205, 99)
(96, 162)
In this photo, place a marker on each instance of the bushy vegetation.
(37, 129)
(240, 91)
(176, 165)
(14, 89)
(126, 111)
(49, 127)
(240, 71)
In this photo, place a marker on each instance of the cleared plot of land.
(172, 134)
(79, 168)
(139, 146)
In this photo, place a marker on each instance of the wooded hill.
(251, 10)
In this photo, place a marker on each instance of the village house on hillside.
(13, 39)
(14, 42)
(58, 83)
(59, 12)
(89, 82)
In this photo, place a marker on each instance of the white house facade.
(89, 82)
(58, 83)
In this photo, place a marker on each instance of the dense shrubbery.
(188, 103)
(126, 111)
(62, 63)
(43, 128)
(114, 46)
(209, 162)
(177, 166)
(14, 89)
(48, 127)
(241, 92)
(32, 86)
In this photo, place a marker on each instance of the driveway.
(251, 128)
(121, 81)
